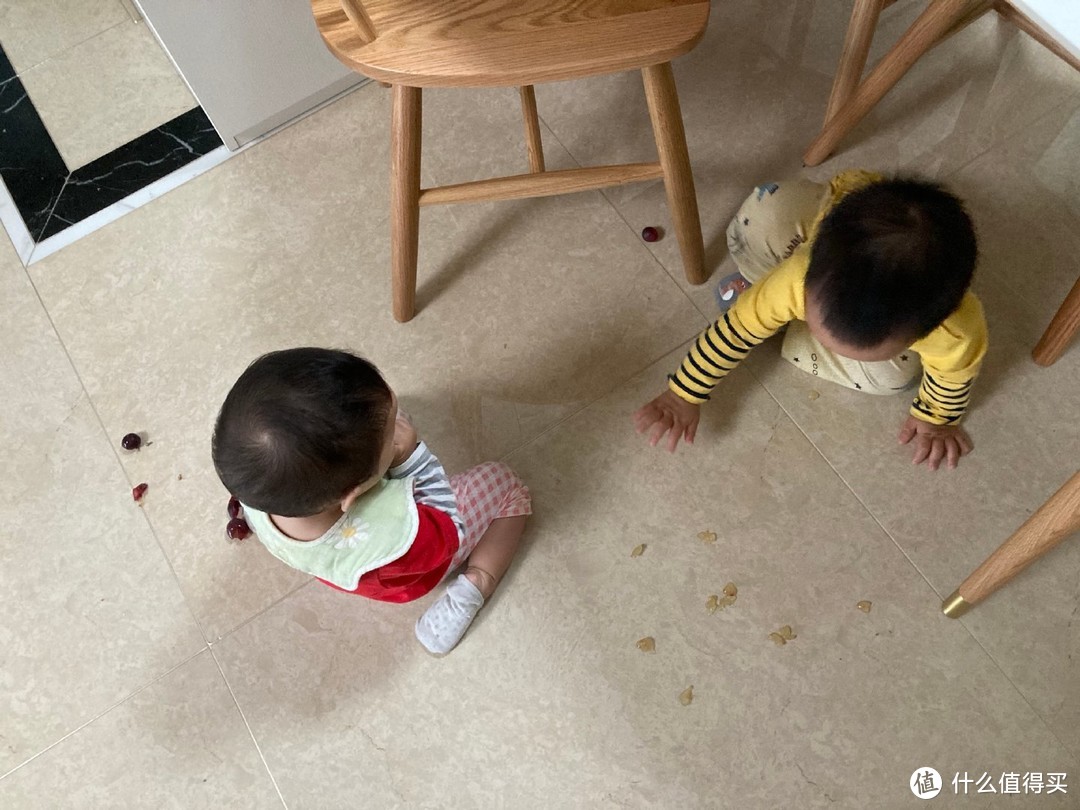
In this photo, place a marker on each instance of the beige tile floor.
(149, 663)
(97, 77)
(35, 30)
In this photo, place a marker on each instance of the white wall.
(252, 64)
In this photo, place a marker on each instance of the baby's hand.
(935, 442)
(670, 414)
(405, 438)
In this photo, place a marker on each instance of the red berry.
(132, 441)
(138, 491)
(234, 508)
(237, 529)
(650, 234)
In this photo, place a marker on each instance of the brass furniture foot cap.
(955, 606)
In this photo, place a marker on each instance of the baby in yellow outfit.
(867, 273)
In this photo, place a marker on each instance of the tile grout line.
(997, 282)
(247, 725)
(588, 404)
(261, 612)
(127, 20)
(116, 456)
(107, 710)
(1007, 139)
(1017, 689)
(555, 425)
(913, 565)
(619, 214)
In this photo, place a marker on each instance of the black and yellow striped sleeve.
(940, 403)
(713, 356)
(757, 315)
(952, 356)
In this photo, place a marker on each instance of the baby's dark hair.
(300, 428)
(893, 259)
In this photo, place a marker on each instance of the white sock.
(445, 622)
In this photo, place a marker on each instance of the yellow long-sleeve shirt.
(951, 354)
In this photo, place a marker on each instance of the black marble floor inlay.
(49, 197)
(32, 168)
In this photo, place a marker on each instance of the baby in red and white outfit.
(335, 483)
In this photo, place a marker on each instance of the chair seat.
(491, 43)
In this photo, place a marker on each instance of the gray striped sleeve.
(431, 485)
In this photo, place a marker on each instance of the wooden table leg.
(1009, 12)
(1061, 329)
(533, 141)
(1052, 522)
(940, 19)
(667, 123)
(857, 41)
(405, 128)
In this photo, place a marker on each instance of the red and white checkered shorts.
(485, 493)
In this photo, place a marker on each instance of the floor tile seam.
(673, 275)
(111, 707)
(681, 342)
(844, 481)
(1011, 137)
(64, 52)
(247, 725)
(916, 568)
(1020, 693)
(116, 457)
(588, 404)
(261, 612)
(619, 214)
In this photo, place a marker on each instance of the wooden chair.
(412, 44)
(1055, 520)
(851, 99)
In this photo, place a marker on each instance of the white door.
(252, 64)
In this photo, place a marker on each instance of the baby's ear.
(350, 497)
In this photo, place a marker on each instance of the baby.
(869, 275)
(335, 483)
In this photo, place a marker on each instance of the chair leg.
(940, 19)
(667, 124)
(857, 41)
(1009, 12)
(1061, 329)
(1052, 522)
(533, 142)
(405, 127)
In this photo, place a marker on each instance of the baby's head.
(304, 430)
(891, 261)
